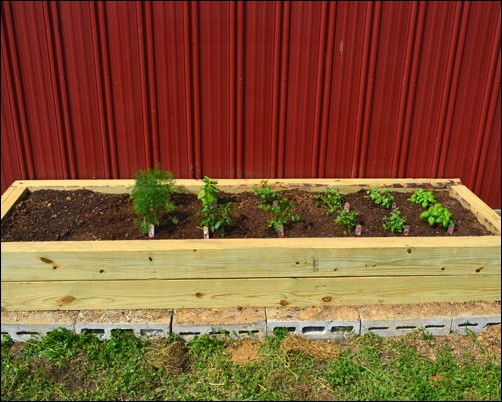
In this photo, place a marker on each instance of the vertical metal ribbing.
(152, 84)
(16, 91)
(276, 68)
(196, 89)
(143, 77)
(232, 85)
(107, 84)
(239, 143)
(62, 120)
(281, 137)
(362, 89)
(368, 98)
(321, 166)
(486, 115)
(405, 87)
(319, 90)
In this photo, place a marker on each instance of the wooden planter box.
(220, 273)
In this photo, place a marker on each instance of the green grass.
(66, 366)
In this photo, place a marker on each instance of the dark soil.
(55, 215)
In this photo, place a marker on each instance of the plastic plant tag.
(346, 206)
(280, 230)
(394, 206)
(451, 228)
(359, 229)
(406, 230)
(151, 231)
(206, 232)
(275, 203)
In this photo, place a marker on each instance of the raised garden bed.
(253, 272)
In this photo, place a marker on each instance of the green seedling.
(216, 217)
(347, 218)
(332, 200)
(151, 197)
(395, 222)
(280, 209)
(437, 215)
(381, 196)
(423, 198)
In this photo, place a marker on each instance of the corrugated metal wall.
(252, 89)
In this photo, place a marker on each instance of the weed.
(381, 196)
(151, 196)
(395, 222)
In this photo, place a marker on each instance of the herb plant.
(213, 216)
(395, 222)
(347, 218)
(437, 214)
(332, 200)
(151, 196)
(281, 209)
(381, 196)
(423, 198)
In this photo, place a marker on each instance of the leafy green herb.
(214, 216)
(437, 214)
(332, 200)
(395, 222)
(347, 218)
(423, 198)
(151, 196)
(381, 196)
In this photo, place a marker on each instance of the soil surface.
(56, 215)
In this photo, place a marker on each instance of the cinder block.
(141, 322)
(396, 320)
(324, 322)
(231, 322)
(23, 325)
(474, 316)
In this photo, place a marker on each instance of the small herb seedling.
(332, 200)
(395, 222)
(151, 196)
(381, 196)
(347, 219)
(437, 214)
(423, 198)
(281, 210)
(214, 216)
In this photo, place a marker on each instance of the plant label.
(394, 206)
(451, 228)
(406, 230)
(359, 229)
(151, 231)
(280, 230)
(275, 203)
(346, 206)
(206, 232)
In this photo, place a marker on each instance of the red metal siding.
(252, 89)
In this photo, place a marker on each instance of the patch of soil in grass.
(56, 215)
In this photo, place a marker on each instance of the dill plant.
(151, 196)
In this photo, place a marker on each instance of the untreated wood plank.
(264, 292)
(486, 216)
(248, 258)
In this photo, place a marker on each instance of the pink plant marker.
(346, 206)
(406, 230)
(206, 232)
(451, 228)
(280, 231)
(151, 231)
(359, 229)
(275, 203)
(394, 206)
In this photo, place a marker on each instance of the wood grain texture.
(261, 292)
(249, 258)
